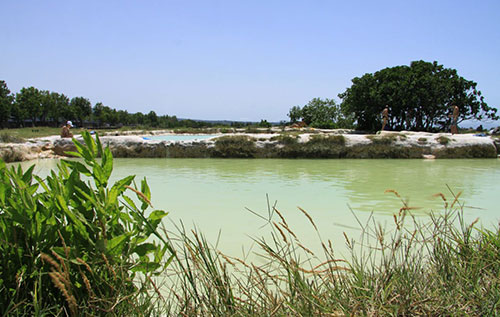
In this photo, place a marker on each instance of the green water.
(213, 194)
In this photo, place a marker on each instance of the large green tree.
(28, 105)
(61, 108)
(419, 97)
(5, 103)
(82, 108)
(319, 113)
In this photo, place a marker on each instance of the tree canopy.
(5, 103)
(320, 113)
(419, 97)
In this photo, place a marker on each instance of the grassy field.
(36, 132)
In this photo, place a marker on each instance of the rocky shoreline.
(274, 144)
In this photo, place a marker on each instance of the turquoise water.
(214, 194)
(180, 137)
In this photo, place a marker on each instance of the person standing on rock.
(385, 117)
(454, 120)
(65, 133)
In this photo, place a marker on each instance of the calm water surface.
(213, 194)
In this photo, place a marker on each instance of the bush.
(285, 139)
(72, 243)
(236, 146)
(324, 147)
(383, 140)
(443, 140)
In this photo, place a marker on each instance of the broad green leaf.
(90, 143)
(99, 145)
(78, 166)
(146, 267)
(157, 215)
(147, 193)
(107, 163)
(145, 248)
(27, 176)
(118, 188)
(3, 190)
(79, 225)
(83, 151)
(115, 245)
(99, 175)
(71, 153)
(41, 182)
(131, 203)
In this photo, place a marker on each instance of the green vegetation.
(237, 146)
(6, 100)
(422, 140)
(418, 96)
(286, 139)
(9, 138)
(34, 107)
(318, 113)
(471, 151)
(324, 147)
(443, 140)
(72, 243)
(387, 139)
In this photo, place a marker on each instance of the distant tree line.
(34, 107)
(419, 97)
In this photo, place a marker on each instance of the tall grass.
(439, 267)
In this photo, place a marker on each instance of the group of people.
(453, 116)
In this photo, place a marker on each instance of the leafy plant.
(72, 241)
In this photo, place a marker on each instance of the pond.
(214, 194)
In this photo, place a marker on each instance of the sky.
(237, 60)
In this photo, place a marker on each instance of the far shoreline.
(269, 143)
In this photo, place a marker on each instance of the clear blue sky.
(237, 60)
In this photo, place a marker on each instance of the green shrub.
(320, 146)
(470, 151)
(378, 151)
(443, 140)
(387, 139)
(71, 242)
(422, 140)
(235, 146)
(286, 139)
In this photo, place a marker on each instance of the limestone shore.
(272, 144)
